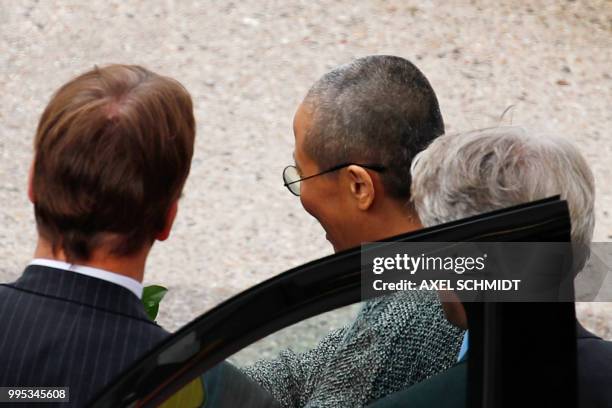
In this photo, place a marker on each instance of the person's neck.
(393, 219)
(130, 266)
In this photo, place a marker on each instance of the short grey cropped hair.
(378, 109)
(466, 174)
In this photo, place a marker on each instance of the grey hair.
(462, 175)
(378, 110)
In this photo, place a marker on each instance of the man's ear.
(362, 186)
(170, 216)
(31, 195)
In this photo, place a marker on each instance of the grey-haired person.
(462, 175)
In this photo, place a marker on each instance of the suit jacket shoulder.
(594, 369)
(60, 328)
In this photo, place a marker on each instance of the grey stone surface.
(248, 64)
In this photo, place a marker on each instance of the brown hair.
(113, 149)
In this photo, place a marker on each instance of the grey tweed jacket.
(395, 341)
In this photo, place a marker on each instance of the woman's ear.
(361, 186)
(170, 217)
(31, 195)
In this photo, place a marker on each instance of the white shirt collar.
(129, 283)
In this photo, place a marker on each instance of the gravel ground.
(248, 64)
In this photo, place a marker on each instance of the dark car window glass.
(300, 337)
(206, 390)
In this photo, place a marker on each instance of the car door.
(176, 371)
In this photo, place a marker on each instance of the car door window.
(299, 338)
(217, 387)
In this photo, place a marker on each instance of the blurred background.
(248, 64)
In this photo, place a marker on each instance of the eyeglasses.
(292, 179)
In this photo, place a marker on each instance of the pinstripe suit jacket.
(60, 328)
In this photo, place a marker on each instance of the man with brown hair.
(112, 152)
